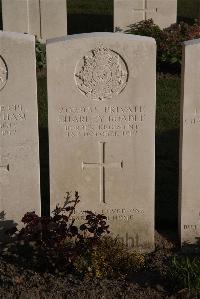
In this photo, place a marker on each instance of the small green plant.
(184, 272)
(40, 49)
(110, 259)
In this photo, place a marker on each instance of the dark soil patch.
(18, 282)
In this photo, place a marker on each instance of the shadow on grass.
(83, 23)
(44, 170)
(44, 143)
(167, 170)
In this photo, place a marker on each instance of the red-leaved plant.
(169, 41)
(54, 243)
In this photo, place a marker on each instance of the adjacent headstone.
(53, 18)
(189, 189)
(19, 145)
(102, 129)
(127, 12)
(43, 18)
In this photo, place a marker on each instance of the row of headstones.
(48, 18)
(101, 130)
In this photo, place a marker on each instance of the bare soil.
(18, 282)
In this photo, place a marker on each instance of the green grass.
(184, 272)
(104, 7)
(168, 95)
(189, 8)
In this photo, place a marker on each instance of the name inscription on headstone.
(10, 118)
(19, 144)
(115, 121)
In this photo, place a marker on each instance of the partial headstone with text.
(19, 141)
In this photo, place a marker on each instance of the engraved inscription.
(113, 214)
(103, 121)
(102, 166)
(190, 226)
(10, 117)
(101, 74)
(3, 73)
(192, 118)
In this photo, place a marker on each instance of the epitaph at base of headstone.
(101, 90)
(189, 188)
(43, 18)
(19, 144)
(128, 12)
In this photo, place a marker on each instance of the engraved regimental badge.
(101, 74)
(3, 73)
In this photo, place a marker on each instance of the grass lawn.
(167, 137)
(104, 7)
(189, 8)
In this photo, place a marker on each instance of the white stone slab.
(127, 12)
(53, 18)
(19, 145)
(15, 15)
(101, 90)
(189, 189)
(43, 18)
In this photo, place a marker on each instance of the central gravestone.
(101, 90)
(19, 142)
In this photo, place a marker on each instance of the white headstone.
(19, 145)
(43, 18)
(189, 189)
(101, 91)
(127, 12)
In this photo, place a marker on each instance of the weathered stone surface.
(127, 12)
(102, 127)
(53, 18)
(189, 189)
(19, 145)
(15, 15)
(43, 18)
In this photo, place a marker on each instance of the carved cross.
(102, 166)
(145, 9)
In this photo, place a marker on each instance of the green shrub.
(40, 50)
(184, 272)
(169, 41)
